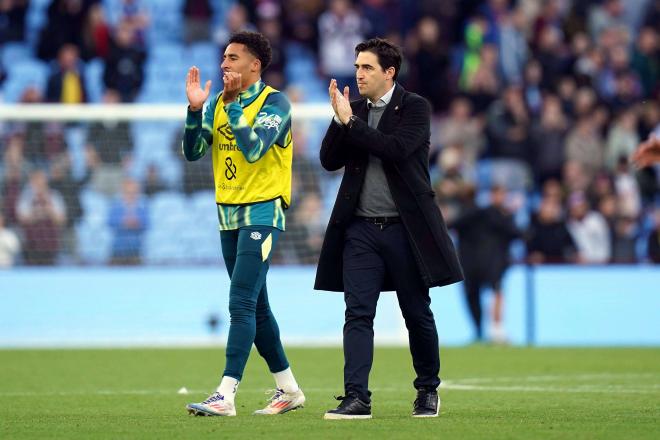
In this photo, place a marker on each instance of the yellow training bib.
(239, 182)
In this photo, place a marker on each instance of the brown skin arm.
(648, 153)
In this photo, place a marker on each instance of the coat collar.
(361, 110)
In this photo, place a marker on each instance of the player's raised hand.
(232, 87)
(196, 95)
(648, 153)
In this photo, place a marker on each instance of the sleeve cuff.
(337, 120)
(194, 116)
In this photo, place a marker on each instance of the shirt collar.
(251, 91)
(384, 100)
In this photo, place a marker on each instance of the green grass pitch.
(488, 393)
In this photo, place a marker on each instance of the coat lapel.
(392, 109)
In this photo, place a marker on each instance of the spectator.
(14, 171)
(10, 246)
(66, 83)
(622, 138)
(301, 21)
(197, 20)
(42, 215)
(124, 68)
(589, 231)
(483, 85)
(627, 190)
(12, 20)
(341, 28)
(112, 141)
(609, 15)
(274, 75)
(624, 243)
(136, 19)
(461, 128)
(551, 55)
(66, 19)
(646, 59)
(508, 126)
(96, 34)
(547, 137)
(532, 87)
(429, 56)
(585, 146)
(235, 21)
(128, 220)
(197, 175)
(69, 187)
(453, 191)
(153, 183)
(513, 46)
(549, 241)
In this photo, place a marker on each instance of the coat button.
(357, 170)
(347, 196)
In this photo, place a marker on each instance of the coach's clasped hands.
(340, 103)
(232, 87)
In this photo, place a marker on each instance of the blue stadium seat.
(95, 207)
(94, 242)
(167, 207)
(35, 19)
(13, 52)
(23, 74)
(94, 79)
(161, 246)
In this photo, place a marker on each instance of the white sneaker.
(498, 335)
(282, 402)
(215, 405)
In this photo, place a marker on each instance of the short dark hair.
(256, 44)
(388, 54)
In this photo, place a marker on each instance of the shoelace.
(214, 397)
(278, 392)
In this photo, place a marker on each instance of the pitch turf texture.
(488, 393)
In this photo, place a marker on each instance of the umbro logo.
(225, 130)
(255, 235)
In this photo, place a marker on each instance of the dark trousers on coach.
(370, 252)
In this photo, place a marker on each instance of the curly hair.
(256, 44)
(388, 54)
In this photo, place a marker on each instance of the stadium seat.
(13, 52)
(94, 242)
(166, 207)
(94, 80)
(95, 207)
(22, 74)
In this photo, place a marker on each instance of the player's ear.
(256, 65)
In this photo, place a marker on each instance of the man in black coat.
(385, 231)
(484, 238)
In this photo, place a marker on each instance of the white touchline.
(463, 384)
(547, 378)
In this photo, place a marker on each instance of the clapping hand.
(340, 102)
(196, 96)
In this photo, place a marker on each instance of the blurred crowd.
(544, 99)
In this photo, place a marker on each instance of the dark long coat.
(402, 143)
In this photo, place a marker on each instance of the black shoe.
(351, 407)
(427, 404)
